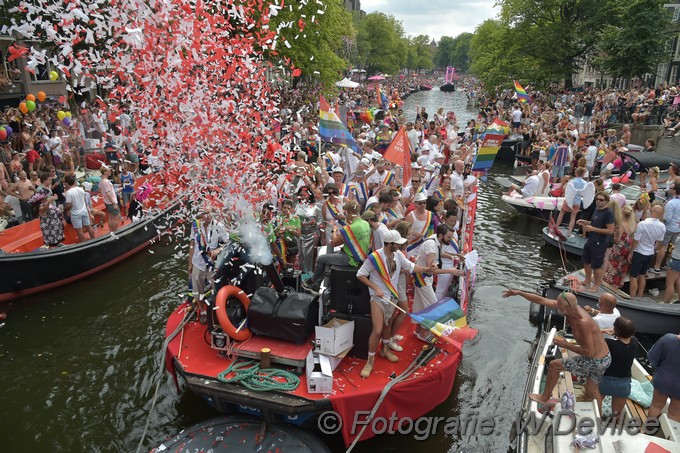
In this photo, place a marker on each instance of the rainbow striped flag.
(521, 94)
(488, 151)
(447, 321)
(382, 98)
(331, 128)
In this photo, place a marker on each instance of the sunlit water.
(80, 364)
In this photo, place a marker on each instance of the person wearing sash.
(355, 238)
(429, 254)
(380, 272)
(332, 212)
(206, 236)
(423, 222)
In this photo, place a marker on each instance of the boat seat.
(636, 411)
(565, 382)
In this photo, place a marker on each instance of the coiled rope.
(249, 375)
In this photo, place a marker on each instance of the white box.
(319, 370)
(334, 337)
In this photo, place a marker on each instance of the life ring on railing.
(221, 308)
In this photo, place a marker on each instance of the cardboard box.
(319, 371)
(334, 337)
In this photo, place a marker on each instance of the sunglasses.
(421, 202)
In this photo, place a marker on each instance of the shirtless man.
(24, 190)
(593, 359)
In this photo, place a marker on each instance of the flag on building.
(447, 321)
(331, 128)
(399, 152)
(521, 94)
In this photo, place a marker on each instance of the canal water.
(79, 365)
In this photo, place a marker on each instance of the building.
(668, 73)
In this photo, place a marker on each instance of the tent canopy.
(346, 83)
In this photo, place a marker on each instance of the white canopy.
(346, 83)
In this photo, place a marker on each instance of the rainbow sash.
(439, 193)
(391, 213)
(389, 177)
(383, 218)
(379, 265)
(353, 244)
(334, 212)
(419, 279)
(428, 230)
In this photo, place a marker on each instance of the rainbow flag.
(521, 94)
(488, 151)
(382, 98)
(331, 128)
(447, 321)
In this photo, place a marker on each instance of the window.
(673, 79)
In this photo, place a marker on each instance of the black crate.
(348, 294)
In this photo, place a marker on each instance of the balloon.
(61, 115)
(23, 108)
(67, 121)
(616, 179)
(9, 130)
(54, 75)
(41, 96)
(30, 97)
(68, 114)
(3, 134)
(30, 105)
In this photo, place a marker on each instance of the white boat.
(553, 434)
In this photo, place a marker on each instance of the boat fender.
(221, 308)
(536, 313)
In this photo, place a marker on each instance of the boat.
(572, 245)
(552, 433)
(28, 268)
(425, 87)
(538, 207)
(510, 147)
(224, 434)
(650, 316)
(201, 358)
(448, 87)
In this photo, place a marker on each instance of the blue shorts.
(615, 386)
(80, 220)
(674, 265)
(640, 264)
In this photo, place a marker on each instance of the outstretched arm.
(531, 297)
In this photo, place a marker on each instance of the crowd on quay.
(41, 154)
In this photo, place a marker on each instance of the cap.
(393, 236)
(369, 215)
(415, 165)
(429, 167)
(423, 160)
(338, 170)
(438, 156)
(366, 161)
(420, 196)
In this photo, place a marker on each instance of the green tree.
(380, 43)
(459, 55)
(421, 52)
(316, 40)
(445, 48)
(632, 45)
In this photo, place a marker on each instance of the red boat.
(396, 387)
(27, 268)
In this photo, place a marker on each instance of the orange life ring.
(221, 307)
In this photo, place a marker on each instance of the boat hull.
(649, 316)
(448, 88)
(33, 272)
(573, 245)
(539, 207)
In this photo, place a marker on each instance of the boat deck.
(199, 360)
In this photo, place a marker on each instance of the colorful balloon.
(3, 134)
(54, 75)
(23, 108)
(41, 96)
(9, 130)
(30, 97)
(68, 114)
(30, 105)
(61, 115)
(67, 121)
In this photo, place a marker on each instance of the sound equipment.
(292, 279)
(287, 316)
(363, 326)
(348, 294)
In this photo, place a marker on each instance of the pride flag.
(447, 321)
(331, 128)
(488, 151)
(521, 94)
(382, 98)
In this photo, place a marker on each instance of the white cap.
(415, 165)
(429, 167)
(420, 196)
(365, 161)
(338, 170)
(438, 156)
(423, 160)
(394, 237)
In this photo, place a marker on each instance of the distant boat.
(425, 87)
(448, 88)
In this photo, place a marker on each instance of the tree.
(421, 53)
(459, 55)
(633, 45)
(445, 47)
(316, 40)
(380, 44)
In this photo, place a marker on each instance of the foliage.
(454, 52)
(420, 53)
(380, 43)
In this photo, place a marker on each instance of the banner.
(399, 152)
(488, 151)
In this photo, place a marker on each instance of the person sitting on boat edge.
(606, 312)
(671, 218)
(594, 357)
(616, 380)
(530, 186)
(599, 228)
(355, 238)
(648, 233)
(380, 272)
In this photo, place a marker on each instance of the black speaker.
(363, 326)
(292, 279)
(348, 294)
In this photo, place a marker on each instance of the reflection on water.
(80, 364)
